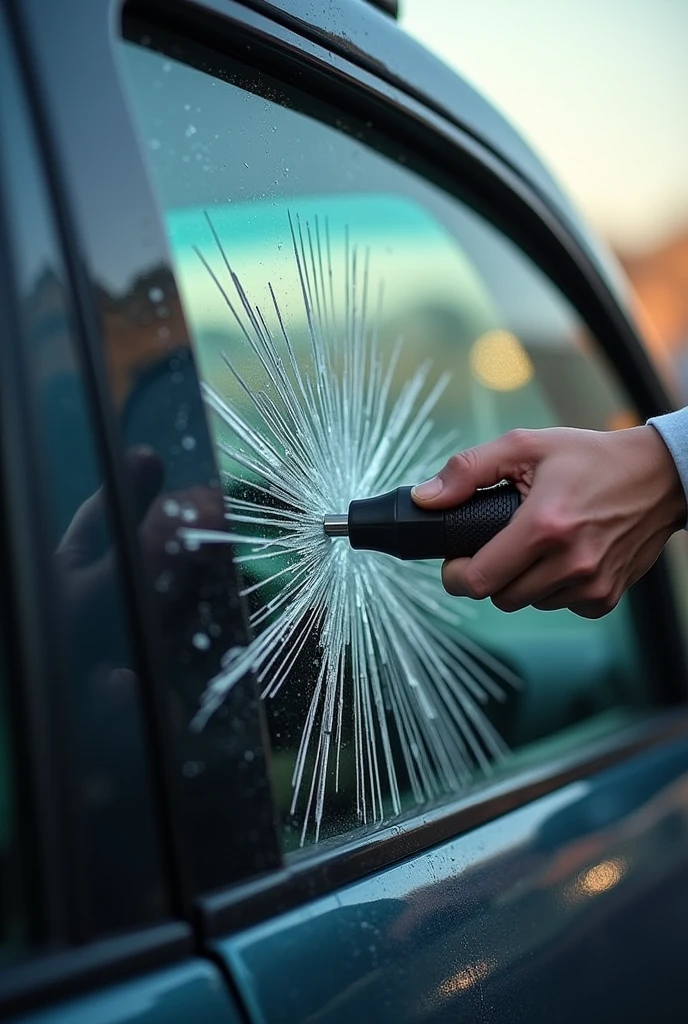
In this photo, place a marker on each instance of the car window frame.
(61, 958)
(272, 48)
(232, 28)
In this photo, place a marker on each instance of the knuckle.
(551, 524)
(584, 565)
(601, 595)
(599, 591)
(520, 440)
(460, 463)
(476, 584)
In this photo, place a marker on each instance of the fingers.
(552, 582)
(88, 535)
(505, 558)
(457, 481)
(85, 538)
(541, 586)
(575, 599)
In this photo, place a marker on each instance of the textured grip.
(469, 526)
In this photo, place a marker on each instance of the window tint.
(110, 847)
(355, 325)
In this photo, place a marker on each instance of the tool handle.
(471, 525)
(395, 524)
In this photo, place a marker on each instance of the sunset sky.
(599, 87)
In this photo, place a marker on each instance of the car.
(259, 258)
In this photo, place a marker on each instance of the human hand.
(85, 559)
(596, 510)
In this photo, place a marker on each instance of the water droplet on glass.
(171, 507)
(163, 582)
(154, 143)
(201, 641)
(156, 294)
(188, 443)
(191, 130)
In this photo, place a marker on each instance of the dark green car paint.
(571, 908)
(191, 992)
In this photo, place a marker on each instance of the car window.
(354, 326)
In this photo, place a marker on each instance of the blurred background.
(600, 89)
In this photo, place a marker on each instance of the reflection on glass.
(602, 876)
(465, 979)
(93, 703)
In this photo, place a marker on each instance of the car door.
(435, 809)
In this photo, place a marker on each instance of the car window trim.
(318, 871)
(34, 661)
(78, 970)
(30, 639)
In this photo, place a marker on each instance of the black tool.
(393, 523)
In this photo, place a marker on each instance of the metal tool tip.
(336, 525)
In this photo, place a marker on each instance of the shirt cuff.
(673, 429)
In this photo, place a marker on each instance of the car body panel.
(194, 990)
(566, 909)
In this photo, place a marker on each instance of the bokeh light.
(499, 361)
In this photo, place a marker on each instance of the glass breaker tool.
(394, 524)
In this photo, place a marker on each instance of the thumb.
(481, 466)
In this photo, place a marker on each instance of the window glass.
(354, 326)
(108, 817)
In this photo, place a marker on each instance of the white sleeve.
(673, 429)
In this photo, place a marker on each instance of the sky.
(598, 87)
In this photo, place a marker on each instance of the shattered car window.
(354, 326)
